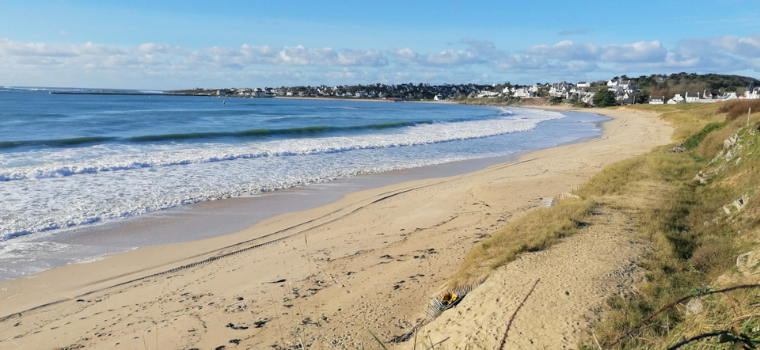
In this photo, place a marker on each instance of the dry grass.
(686, 118)
(534, 231)
(696, 243)
(713, 142)
(622, 178)
(736, 109)
(694, 140)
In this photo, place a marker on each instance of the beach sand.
(330, 277)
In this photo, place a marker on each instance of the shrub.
(735, 109)
(604, 98)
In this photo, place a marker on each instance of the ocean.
(79, 161)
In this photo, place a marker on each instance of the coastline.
(359, 99)
(344, 260)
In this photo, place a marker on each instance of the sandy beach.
(330, 277)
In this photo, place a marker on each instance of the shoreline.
(361, 99)
(394, 225)
(212, 218)
(216, 218)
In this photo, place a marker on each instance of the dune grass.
(695, 243)
(686, 118)
(694, 140)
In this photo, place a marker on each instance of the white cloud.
(12, 48)
(246, 55)
(404, 56)
(302, 56)
(368, 58)
(740, 46)
(705, 54)
(477, 52)
(452, 57)
(89, 48)
(565, 50)
(641, 51)
(152, 48)
(521, 62)
(543, 67)
(476, 60)
(484, 50)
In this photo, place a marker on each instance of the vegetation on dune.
(694, 141)
(682, 199)
(687, 118)
(696, 242)
(736, 109)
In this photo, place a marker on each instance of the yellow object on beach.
(448, 299)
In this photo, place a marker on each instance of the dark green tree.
(604, 98)
(642, 97)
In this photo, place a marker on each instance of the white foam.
(15, 249)
(102, 158)
(88, 260)
(70, 187)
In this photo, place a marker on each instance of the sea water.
(79, 160)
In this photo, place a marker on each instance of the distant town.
(654, 89)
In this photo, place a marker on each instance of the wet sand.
(325, 276)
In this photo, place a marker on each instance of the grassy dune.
(695, 242)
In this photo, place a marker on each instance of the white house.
(617, 90)
(523, 92)
(676, 100)
(657, 100)
(621, 98)
(691, 98)
(489, 94)
(583, 84)
(560, 89)
(753, 94)
(729, 96)
(625, 86)
(628, 87)
(439, 97)
(588, 97)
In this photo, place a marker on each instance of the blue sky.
(181, 44)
